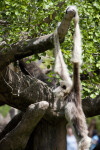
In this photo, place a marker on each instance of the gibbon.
(69, 91)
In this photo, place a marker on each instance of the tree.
(41, 124)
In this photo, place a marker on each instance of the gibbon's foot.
(85, 143)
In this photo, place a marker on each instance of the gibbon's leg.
(73, 109)
(61, 69)
(76, 117)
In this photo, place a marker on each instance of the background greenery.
(34, 18)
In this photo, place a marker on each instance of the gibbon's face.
(62, 90)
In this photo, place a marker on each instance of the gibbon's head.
(63, 89)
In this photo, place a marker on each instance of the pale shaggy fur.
(77, 118)
(73, 108)
(61, 69)
(60, 66)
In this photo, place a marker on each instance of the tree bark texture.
(48, 136)
(17, 138)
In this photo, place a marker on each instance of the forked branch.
(18, 137)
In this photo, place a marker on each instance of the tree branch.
(28, 47)
(19, 91)
(18, 137)
(91, 106)
(11, 125)
(2, 22)
(33, 90)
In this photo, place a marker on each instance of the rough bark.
(18, 137)
(11, 125)
(48, 136)
(34, 70)
(31, 91)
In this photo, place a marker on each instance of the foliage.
(4, 110)
(33, 18)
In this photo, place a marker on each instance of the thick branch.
(18, 137)
(91, 106)
(25, 48)
(33, 90)
(20, 91)
(11, 125)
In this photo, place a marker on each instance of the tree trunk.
(48, 136)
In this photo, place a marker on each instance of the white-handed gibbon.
(69, 91)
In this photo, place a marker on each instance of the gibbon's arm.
(60, 67)
(76, 57)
